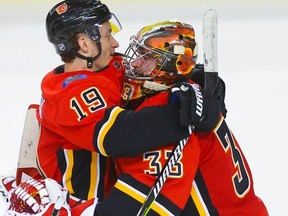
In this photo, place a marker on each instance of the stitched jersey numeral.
(93, 101)
(126, 92)
(241, 179)
(155, 164)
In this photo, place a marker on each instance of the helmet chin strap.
(90, 59)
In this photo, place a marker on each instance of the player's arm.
(128, 133)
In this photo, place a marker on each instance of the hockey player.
(212, 177)
(82, 123)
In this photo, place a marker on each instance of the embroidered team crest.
(61, 9)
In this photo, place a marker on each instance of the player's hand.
(219, 93)
(195, 107)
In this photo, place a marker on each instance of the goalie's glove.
(195, 107)
(219, 93)
(29, 197)
(39, 197)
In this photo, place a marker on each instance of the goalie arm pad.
(125, 133)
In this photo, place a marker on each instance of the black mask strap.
(90, 59)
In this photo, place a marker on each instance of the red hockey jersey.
(214, 176)
(71, 105)
(147, 166)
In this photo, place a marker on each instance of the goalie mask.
(157, 57)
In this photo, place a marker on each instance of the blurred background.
(252, 61)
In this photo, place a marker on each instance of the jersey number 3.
(241, 179)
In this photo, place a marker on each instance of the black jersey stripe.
(201, 197)
(83, 173)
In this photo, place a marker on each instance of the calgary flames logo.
(61, 9)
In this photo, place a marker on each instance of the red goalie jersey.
(212, 178)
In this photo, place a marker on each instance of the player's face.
(108, 45)
(144, 65)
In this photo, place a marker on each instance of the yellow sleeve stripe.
(199, 203)
(140, 197)
(68, 173)
(94, 175)
(105, 128)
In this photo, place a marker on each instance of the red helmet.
(168, 53)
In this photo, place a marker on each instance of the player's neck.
(75, 65)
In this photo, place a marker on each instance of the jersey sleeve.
(125, 133)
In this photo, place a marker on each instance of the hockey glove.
(195, 107)
(219, 93)
(29, 197)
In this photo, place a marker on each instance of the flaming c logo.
(61, 9)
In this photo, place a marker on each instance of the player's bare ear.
(83, 42)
